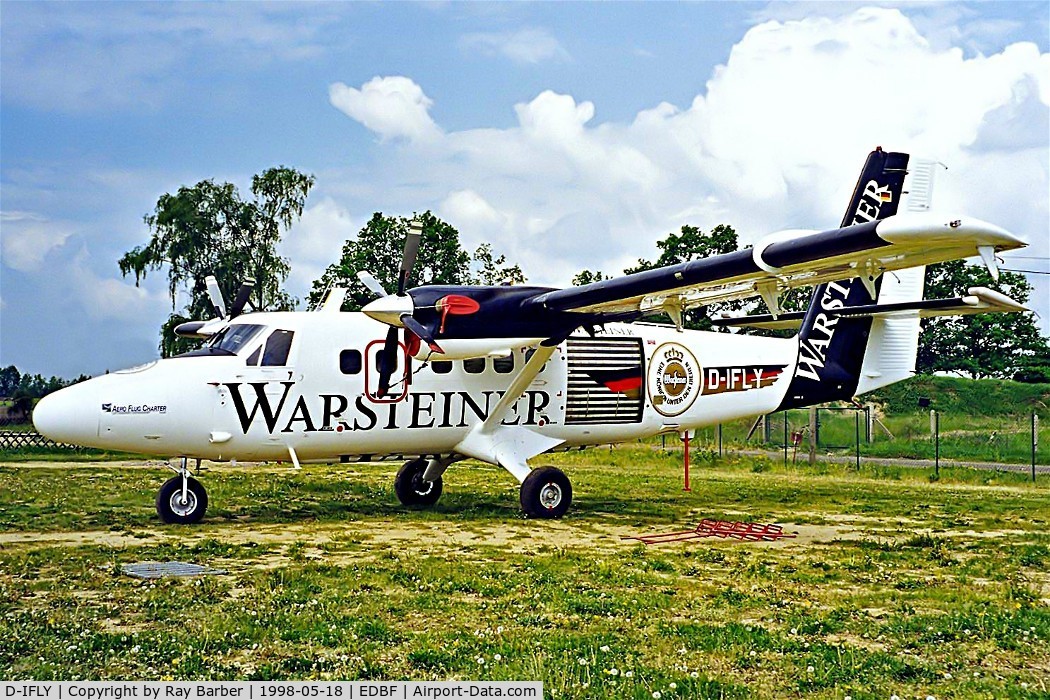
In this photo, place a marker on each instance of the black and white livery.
(437, 374)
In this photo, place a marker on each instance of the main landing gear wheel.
(546, 493)
(174, 508)
(410, 487)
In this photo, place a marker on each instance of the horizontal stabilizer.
(978, 300)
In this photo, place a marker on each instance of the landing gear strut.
(182, 499)
(412, 489)
(546, 493)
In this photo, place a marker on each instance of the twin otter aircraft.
(437, 374)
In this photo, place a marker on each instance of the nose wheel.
(182, 499)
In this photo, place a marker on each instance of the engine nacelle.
(469, 348)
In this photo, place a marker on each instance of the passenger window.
(350, 362)
(528, 356)
(275, 354)
(475, 365)
(441, 366)
(253, 359)
(399, 360)
(504, 365)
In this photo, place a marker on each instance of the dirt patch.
(514, 537)
(104, 538)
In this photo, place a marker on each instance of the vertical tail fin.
(832, 350)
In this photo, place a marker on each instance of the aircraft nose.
(68, 415)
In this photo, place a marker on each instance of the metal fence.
(858, 434)
(18, 435)
(16, 440)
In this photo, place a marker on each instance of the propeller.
(241, 299)
(371, 282)
(397, 309)
(215, 294)
(193, 329)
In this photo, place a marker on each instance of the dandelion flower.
(694, 674)
(605, 647)
(656, 695)
(672, 686)
(497, 657)
(810, 669)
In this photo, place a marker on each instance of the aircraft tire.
(172, 511)
(546, 493)
(410, 488)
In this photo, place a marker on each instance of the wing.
(786, 260)
(978, 300)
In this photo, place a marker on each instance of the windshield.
(233, 338)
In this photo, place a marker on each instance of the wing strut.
(511, 446)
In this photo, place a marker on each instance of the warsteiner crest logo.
(674, 379)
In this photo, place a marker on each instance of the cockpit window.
(275, 354)
(233, 338)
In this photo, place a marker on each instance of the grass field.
(894, 585)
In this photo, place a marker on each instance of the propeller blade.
(387, 362)
(372, 283)
(422, 331)
(215, 294)
(242, 297)
(408, 261)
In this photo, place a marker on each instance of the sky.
(567, 135)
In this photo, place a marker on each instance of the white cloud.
(526, 46)
(775, 141)
(104, 298)
(392, 107)
(86, 57)
(29, 238)
(476, 219)
(316, 241)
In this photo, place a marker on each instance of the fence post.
(936, 442)
(1035, 441)
(856, 421)
(686, 434)
(812, 435)
(785, 438)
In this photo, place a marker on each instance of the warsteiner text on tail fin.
(831, 349)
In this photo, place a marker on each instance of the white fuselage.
(629, 381)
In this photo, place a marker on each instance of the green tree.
(690, 244)
(378, 249)
(693, 244)
(208, 229)
(9, 380)
(490, 269)
(589, 277)
(981, 345)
